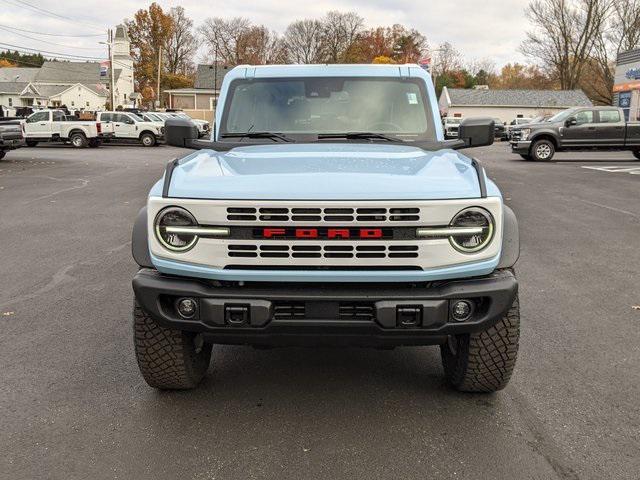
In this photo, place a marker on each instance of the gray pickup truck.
(11, 136)
(585, 128)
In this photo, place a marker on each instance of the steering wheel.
(384, 127)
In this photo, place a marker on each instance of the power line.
(52, 34)
(32, 50)
(23, 4)
(49, 42)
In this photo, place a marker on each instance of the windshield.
(454, 121)
(315, 106)
(154, 118)
(559, 117)
(136, 117)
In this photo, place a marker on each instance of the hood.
(325, 171)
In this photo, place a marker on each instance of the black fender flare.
(140, 240)
(510, 239)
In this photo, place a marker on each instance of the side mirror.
(180, 132)
(477, 132)
(571, 122)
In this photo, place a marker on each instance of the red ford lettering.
(338, 233)
(273, 232)
(370, 233)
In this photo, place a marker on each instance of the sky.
(485, 29)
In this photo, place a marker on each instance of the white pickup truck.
(55, 126)
(129, 126)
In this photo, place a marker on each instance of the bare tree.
(339, 31)
(565, 34)
(303, 41)
(181, 45)
(447, 59)
(224, 38)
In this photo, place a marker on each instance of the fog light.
(461, 310)
(187, 307)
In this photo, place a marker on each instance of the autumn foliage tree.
(150, 31)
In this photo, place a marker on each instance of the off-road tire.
(525, 156)
(542, 150)
(78, 140)
(636, 153)
(483, 361)
(168, 359)
(148, 140)
(2, 154)
(31, 143)
(94, 143)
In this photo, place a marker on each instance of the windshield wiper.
(360, 135)
(272, 135)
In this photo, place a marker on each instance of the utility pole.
(112, 88)
(159, 71)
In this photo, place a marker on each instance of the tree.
(22, 59)
(447, 59)
(564, 35)
(237, 41)
(4, 63)
(518, 77)
(303, 41)
(339, 31)
(150, 32)
(181, 44)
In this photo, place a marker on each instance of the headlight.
(477, 220)
(524, 133)
(169, 232)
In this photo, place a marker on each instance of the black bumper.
(332, 314)
(520, 147)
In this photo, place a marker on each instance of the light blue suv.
(327, 208)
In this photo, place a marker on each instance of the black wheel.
(78, 140)
(484, 361)
(542, 150)
(525, 156)
(31, 143)
(168, 359)
(94, 143)
(148, 139)
(2, 154)
(636, 153)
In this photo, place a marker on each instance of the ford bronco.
(327, 209)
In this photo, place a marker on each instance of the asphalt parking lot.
(75, 407)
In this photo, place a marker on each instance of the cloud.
(490, 29)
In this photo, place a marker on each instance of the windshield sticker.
(412, 98)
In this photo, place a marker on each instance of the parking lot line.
(615, 169)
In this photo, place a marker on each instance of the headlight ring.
(472, 217)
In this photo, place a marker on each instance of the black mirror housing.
(180, 132)
(477, 132)
(570, 122)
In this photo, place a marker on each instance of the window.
(58, 117)
(87, 104)
(325, 105)
(106, 117)
(38, 117)
(10, 102)
(609, 116)
(585, 116)
(73, 104)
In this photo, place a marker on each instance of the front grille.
(330, 214)
(362, 312)
(322, 251)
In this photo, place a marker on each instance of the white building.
(78, 85)
(508, 104)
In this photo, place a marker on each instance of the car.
(584, 128)
(451, 125)
(328, 209)
(55, 126)
(500, 129)
(128, 126)
(204, 128)
(153, 118)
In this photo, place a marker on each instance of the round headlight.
(474, 217)
(171, 239)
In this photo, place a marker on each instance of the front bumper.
(333, 314)
(520, 147)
